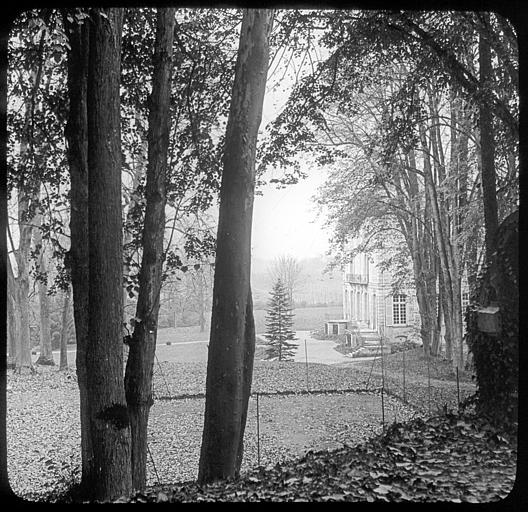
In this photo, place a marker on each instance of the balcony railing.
(356, 278)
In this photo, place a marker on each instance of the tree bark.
(46, 353)
(137, 174)
(76, 134)
(451, 281)
(487, 150)
(63, 364)
(139, 368)
(7, 280)
(13, 319)
(202, 293)
(421, 246)
(23, 348)
(232, 339)
(110, 426)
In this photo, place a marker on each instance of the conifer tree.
(279, 322)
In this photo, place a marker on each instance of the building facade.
(372, 310)
(370, 303)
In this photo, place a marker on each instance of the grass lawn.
(305, 319)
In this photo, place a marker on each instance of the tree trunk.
(13, 319)
(139, 368)
(487, 149)
(421, 247)
(63, 365)
(110, 426)
(76, 134)
(232, 339)
(442, 317)
(448, 265)
(137, 173)
(46, 353)
(23, 349)
(437, 310)
(8, 328)
(202, 284)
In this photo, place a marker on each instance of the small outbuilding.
(336, 327)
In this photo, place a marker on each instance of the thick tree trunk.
(76, 134)
(487, 150)
(63, 365)
(232, 340)
(139, 368)
(110, 426)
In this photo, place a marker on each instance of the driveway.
(318, 351)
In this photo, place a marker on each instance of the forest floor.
(325, 433)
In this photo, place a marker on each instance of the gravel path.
(318, 351)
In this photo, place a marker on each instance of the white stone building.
(371, 309)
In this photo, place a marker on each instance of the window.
(399, 309)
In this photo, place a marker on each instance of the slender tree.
(232, 339)
(279, 324)
(139, 368)
(6, 277)
(46, 354)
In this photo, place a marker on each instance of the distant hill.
(315, 288)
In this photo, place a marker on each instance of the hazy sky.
(285, 221)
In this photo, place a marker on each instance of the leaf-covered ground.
(442, 459)
(447, 458)
(416, 364)
(44, 428)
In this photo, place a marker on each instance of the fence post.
(428, 383)
(404, 396)
(382, 386)
(306, 359)
(258, 432)
(153, 465)
(458, 390)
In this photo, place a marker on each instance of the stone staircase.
(369, 342)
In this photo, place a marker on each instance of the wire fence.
(383, 390)
(420, 390)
